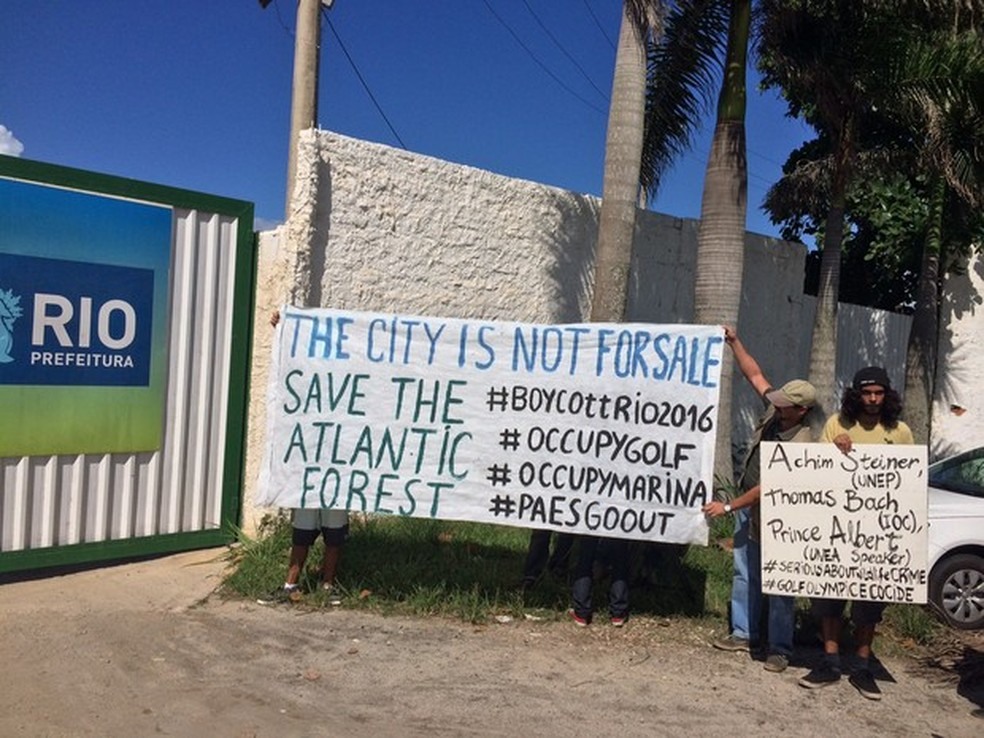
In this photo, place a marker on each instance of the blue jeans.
(746, 594)
(782, 618)
(616, 553)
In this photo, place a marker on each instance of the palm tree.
(700, 36)
(939, 92)
(721, 236)
(825, 57)
(623, 148)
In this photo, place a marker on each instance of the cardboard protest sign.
(844, 526)
(585, 428)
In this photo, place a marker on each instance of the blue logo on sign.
(10, 311)
(82, 323)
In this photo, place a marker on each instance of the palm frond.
(936, 89)
(683, 71)
(645, 14)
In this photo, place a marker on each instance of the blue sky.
(196, 93)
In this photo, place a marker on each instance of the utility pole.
(304, 93)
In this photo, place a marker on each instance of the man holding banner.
(784, 420)
(869, 414)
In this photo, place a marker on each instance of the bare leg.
(864, 636)
(298, 555)
(828, 672)
(329, 565)
(830, 629)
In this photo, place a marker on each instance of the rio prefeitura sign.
(83, 300)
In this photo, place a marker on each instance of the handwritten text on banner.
(844, 526)
(585, 428)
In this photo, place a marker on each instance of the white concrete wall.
(958, 410)
(377, 228)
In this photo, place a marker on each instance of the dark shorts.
(331, 524)
(863, 612)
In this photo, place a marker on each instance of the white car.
(956, 539)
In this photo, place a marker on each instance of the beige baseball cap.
(794, 392)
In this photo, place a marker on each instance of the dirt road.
(143, 649)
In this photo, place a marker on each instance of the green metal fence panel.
(69, 507)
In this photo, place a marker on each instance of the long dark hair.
(852, 407)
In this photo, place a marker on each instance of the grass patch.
(471, 571)
(910, 625)
(258, 563)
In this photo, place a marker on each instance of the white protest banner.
(844, 526)
(585, 428)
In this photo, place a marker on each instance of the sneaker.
(334, 598)
(281, 596)
(732, 643)
(822, 676)
(776, 662)
(580, 622)
(863, 681)
(619, 620)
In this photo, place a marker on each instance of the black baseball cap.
(872, 375)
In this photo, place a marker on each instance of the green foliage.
(259, 563)
(880, 253)
(906, 80)
(826, 58)
(683, 73)
(912, 623)
(887, 218)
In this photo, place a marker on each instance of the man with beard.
(869, 414)
(785, 419)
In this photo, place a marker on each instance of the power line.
(702, 163)
(598, 23)
(564, 51)
(585, 75)
(362, 80)
(765, 158)
(542, 66)
(397, 136)
(601, 28)
(276, 7)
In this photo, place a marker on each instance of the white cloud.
(264, 224)
(8, 144)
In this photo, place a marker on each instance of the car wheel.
(956, 590)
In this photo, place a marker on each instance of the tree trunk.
(823, 351)
(620, 188)
(920, 362)
(721, 236)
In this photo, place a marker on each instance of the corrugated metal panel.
(869, 337)
(65, 500)
(865, 337)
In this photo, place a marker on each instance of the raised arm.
(746, 362)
